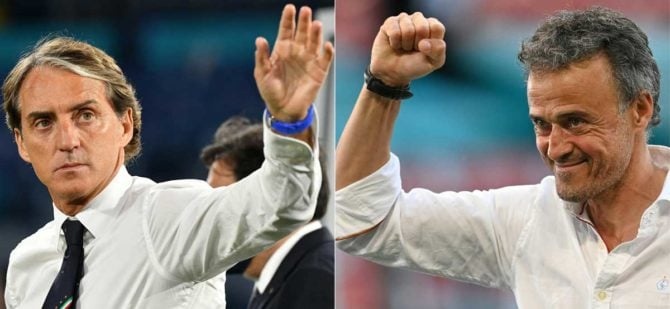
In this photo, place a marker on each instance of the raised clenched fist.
(407, 47)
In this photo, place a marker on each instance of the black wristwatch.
(376, 85)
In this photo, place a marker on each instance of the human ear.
(127, 125)
(642, 110)
(18, 138)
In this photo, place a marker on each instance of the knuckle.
(422, 28)
(406, 20)
(389, 24)
(417, 14)
(436, 24)
(393, 33)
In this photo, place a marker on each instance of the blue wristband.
(290, 128)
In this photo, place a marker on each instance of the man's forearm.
(405, 48)
(365, 143)
(306, 136)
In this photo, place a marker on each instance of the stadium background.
(191, 63)
(466, 126)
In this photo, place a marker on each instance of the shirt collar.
(661, 156)
(98, 212)
(275, 260)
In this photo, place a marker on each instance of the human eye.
(541, 127)
(42, 123)
(86, 115)
(575, 122)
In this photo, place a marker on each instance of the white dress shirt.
(271, 266)
(522, 238)
(148, 244)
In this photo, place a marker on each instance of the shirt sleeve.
(195, 232)
(10, 300)
(467, 236)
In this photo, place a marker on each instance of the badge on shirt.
(663, 285)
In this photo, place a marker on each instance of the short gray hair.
(574, 36)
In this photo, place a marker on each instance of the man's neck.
(616, 213)
(257, 263)
(71, 205)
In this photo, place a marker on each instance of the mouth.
(69, 167)
(567, 166)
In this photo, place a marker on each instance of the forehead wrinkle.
(84, 90)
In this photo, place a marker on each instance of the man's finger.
(407, 31)
(304, 24)
(262, 56)
(287, 23)
(392, 30)
(436, 28)
(435, 50)
(315, 38)
(327, 57)
(421, 28)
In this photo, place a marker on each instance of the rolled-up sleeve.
(364, 204)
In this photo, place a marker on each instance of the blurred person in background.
(297, 271)
(76, 120)
(591, 234)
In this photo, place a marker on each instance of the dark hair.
(573, 36)
(324, 192)
(239, 142)
(82, 59)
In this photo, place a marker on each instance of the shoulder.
(35, 249)
(315, 265)
(312, 275)
(525, 191)
(529, 195)
(182, 184)
(310, 260)
(319, 257)
(308, 286)
(39, 240)
(146, 185)
(174, 190)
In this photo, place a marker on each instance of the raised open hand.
(289, 79)
(407, 47)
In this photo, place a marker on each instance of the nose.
(67, 137)
(558, 145)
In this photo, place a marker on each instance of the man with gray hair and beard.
(595, 234)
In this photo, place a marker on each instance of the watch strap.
(377, 86)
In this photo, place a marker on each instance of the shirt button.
(601, 295)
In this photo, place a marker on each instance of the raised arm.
(196, 232)
(407, 47)
(290, 77)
